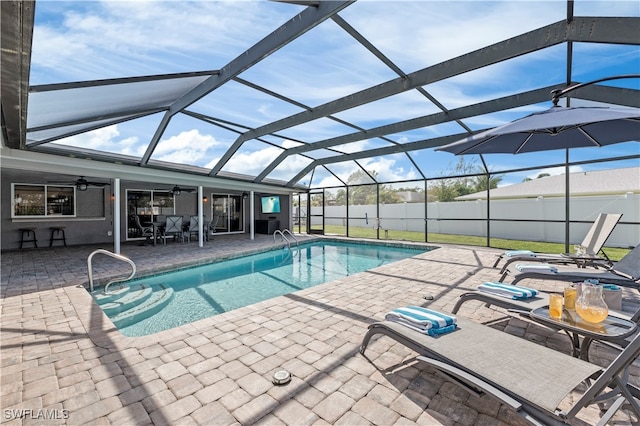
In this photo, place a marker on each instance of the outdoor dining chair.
(193, 228)
(145, 231)
(173, 228)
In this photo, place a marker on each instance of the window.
(43, 201)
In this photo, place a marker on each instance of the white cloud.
(189, 147)
(105, 139)
(121, 38)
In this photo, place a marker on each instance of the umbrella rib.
(524, 142)
(464, 151)
(588, 136)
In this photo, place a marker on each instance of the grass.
(614, 253)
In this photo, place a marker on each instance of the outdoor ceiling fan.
(177, 190)
(82, 184)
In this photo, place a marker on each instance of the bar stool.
(28, 235)
(57, 234)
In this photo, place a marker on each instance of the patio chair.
(625, 272)
(530, 378)
(193, 228)
(145, 231)
(173, 228)
(592, 244)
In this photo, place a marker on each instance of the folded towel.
(509, 291)
(423, 320)
(527, 267)
(610, 287)
(511, 253)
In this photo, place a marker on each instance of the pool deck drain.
(60, 353)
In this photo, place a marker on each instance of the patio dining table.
(158, 226)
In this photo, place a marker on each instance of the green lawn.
(614, 253)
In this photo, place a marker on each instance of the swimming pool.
(152, 304)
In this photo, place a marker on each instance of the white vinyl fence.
(411, 217)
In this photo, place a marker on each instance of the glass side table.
(612, 329)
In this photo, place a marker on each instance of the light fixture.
(204, 199)
(245, 195)
(82, 186)
(175, 191)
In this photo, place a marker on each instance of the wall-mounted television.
(270, 204)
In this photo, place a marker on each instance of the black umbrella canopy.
(556, 128)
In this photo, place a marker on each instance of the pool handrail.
(277, 231)
(284, 237)
(115, 256)
(292, 236)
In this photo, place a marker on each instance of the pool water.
(208, 290)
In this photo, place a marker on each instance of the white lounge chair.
(592, 245)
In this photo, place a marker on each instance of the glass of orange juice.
(555, 305)
(570, 295)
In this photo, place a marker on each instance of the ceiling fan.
(82, 184)
(177, 190)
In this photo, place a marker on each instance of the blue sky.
(86, 40)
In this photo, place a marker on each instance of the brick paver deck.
(62, 357)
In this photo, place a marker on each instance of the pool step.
(116, 291)
(128, 300)
(158, 298)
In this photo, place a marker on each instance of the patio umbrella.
(556, 128)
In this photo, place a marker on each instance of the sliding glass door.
(227, 213)
(148, 206)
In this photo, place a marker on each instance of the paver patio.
(62, 357)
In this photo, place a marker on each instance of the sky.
(91, 40)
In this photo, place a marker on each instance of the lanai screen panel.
(252, 158)
(390, 168)
(71, 104)
(418, 34)
(321, 178)
(239, 103)
(289, 167)
(129, 138)
(60, 133)
(190, 141)
(324, 64)
(317, 130)
(400, 107)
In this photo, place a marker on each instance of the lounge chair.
(592, 244)
(520, 305)
(530, 378)
(625, 272)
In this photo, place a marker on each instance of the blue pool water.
(208, 290)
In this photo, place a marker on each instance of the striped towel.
(542, 267)
(423, 320)
(509, 291)
(512, 253)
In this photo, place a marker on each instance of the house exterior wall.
(93, 223)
